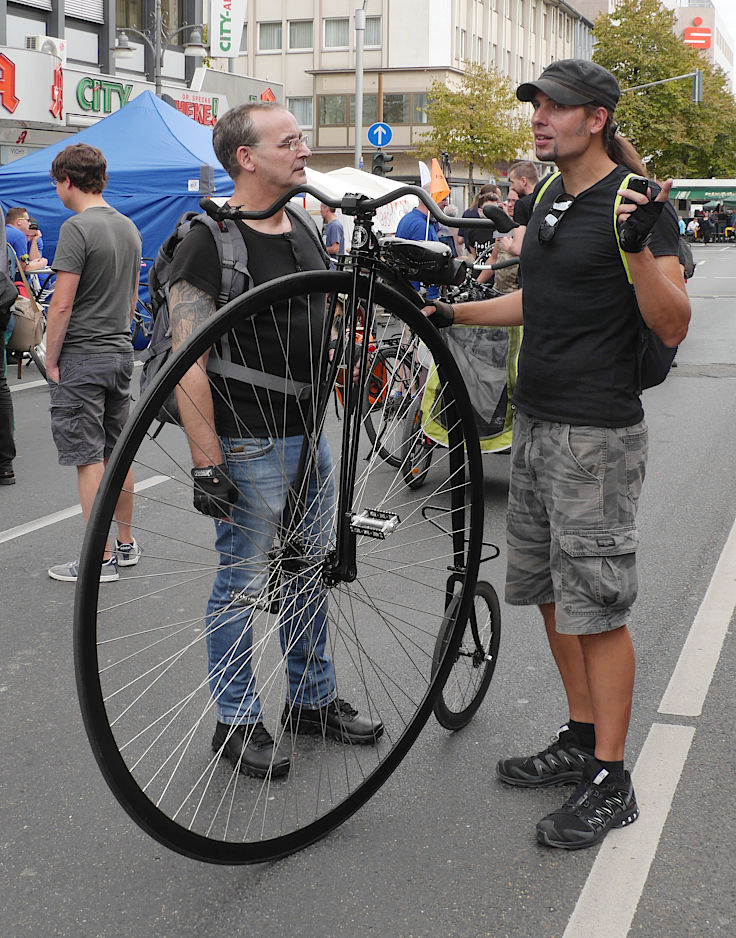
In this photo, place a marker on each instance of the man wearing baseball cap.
(580, 440)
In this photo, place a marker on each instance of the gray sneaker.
(69, 572)
(127, 555)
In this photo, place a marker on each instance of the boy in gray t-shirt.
(89, 356)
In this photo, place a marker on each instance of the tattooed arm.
(189, 307)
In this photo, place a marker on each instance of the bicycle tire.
(416, 450)
(472, 668)
(139, 643)
(387, 395)
(38, 356)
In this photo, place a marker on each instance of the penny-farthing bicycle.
(397, 576)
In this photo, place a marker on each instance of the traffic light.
(698, 86)
(381, 163)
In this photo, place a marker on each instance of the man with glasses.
(580, 441)
(24, 239)
(237, 450)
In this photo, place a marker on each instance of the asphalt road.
(442, 850)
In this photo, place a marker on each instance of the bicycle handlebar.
(352, 203)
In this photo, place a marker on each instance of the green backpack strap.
(545, 185)
(616, 203)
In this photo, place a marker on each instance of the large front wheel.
(341, 592)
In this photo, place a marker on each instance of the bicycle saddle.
(426, 261)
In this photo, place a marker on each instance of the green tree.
(477, 122)
(675, 136)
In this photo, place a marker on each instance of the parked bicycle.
(406, 620)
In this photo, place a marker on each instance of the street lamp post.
(158, 44)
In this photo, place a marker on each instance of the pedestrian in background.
(7, 441)
(334, 233)
(89, 355)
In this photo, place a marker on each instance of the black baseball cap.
(574, 81)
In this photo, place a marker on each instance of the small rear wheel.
(475, 659)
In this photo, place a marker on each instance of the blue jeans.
(260, 469)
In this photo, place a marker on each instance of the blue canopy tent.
(155, 156)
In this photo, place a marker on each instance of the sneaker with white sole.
(599, 803)
(127, 555)
(69, 572)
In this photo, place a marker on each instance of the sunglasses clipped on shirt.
(555, 214)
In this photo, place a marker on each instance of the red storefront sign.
(697, 35)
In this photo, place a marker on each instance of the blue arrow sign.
(379, 134)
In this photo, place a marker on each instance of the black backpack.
(232, 255)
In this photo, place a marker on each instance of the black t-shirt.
(579, 355)
(281, 333)
(523, 209)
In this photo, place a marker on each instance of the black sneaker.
(561, 763)
(250, 748)
(338, 719)
(599, 803)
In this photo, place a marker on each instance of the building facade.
(309, 47)
(302, 52)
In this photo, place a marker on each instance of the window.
(397, 108)
(244, 40)
(373, 31)
(129, 13)
(301, 108)
(337, 33)
(419, 113)
(332, 110)
(461, 54)
(370, 109)
(300, 35)
(269, 37)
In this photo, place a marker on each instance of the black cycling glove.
(635, 231)
(443, 315)
(214, 490)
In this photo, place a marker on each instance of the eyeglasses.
(293, 143)
(551, 221)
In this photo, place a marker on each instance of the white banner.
(226, 25)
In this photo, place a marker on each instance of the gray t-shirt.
(104, 248)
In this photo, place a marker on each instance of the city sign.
(379, 134)
(226, 27)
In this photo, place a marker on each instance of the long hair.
(619, 149)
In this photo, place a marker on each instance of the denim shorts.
(571, 529)
(89, 405)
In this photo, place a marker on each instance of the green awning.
(698, 194)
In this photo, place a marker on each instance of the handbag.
(8, 295)
(29, 322)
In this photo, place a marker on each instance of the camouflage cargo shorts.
(571, 530)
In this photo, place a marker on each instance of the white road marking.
(620, 870)
(40, 383)
(690, 681)
(608, 902)
(30, 526)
